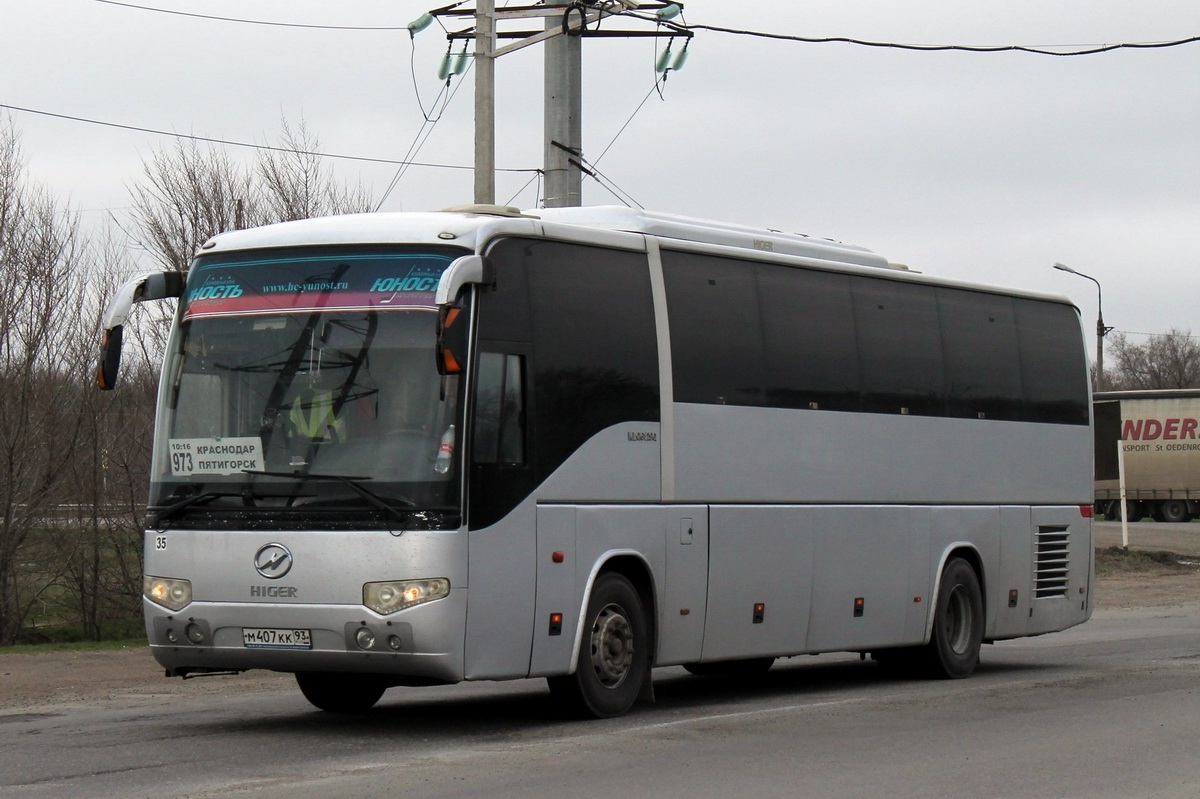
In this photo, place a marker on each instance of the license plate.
(271, 638)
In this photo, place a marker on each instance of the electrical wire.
(426, 129)
(1157, 335)
(605, 182)
(649, 94)
(254, 21)
(538, 178)
(231, 143)
(1080, 50)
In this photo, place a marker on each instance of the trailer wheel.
(1136, 509)
(1174, 511)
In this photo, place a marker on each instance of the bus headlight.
(171, 594)
(388, 597)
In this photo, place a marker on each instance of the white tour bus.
(413, 449)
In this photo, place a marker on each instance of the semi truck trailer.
(1158, 433)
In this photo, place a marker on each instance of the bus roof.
(465, 225)
(472, 226)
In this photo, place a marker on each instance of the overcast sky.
(983, 167)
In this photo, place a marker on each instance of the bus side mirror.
(453, 324)
(110, 358)
(452, 339)
(150, 286)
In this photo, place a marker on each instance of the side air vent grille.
(1053, 562)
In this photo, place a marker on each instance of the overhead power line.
(1051, 50)
(230, 143)
(254, 21)
(1048, 49)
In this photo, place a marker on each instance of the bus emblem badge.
(273, 561)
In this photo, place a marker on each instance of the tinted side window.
(899, 347)
(566, 332)
(983, 370)
(811, 344)
(499, 409)
(751, 333)
(1052, 362)
(595, 352)
(716, 330)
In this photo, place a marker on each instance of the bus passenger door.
(685, 586)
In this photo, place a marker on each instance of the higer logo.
(273, 561)
(1155, 429)
(272, 591)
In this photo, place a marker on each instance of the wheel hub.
(959, 620)
(612, 646)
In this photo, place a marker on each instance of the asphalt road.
(1108, 709)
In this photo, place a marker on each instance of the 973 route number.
(273, 638)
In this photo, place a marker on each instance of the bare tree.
(41, 292)
(1169, 360)
(74, 463)
(99, 542)
(294, 182)
(192, 193)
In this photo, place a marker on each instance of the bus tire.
(340, 693)
(614, 654)
(953, 648)
(1174, 511)
(748, 667)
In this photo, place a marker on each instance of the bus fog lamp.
(171, 594)
(364, 638)
(394, 643)
(194, 633)
(389, 597)
(172, 636)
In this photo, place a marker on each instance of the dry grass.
(1115, 560)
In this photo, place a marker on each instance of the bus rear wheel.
(340, 693)
(953, 649)
(614, 655)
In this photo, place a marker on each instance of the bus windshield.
(302, 392)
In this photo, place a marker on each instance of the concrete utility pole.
(485, 102)
(565, 24)
(563, 116)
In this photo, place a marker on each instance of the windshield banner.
(338, 282)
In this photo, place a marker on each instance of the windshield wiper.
(352, 482)
(163, 514)
(245, 494)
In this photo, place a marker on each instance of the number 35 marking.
(160, 542)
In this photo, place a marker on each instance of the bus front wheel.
(953, 649)
(614, 654)
(340, 693)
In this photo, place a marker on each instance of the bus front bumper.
(420, 645)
